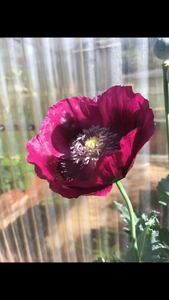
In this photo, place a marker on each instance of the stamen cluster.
(103, 142)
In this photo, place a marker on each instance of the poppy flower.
(85, 145)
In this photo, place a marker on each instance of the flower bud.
(161, 48)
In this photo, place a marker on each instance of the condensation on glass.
(35, 223)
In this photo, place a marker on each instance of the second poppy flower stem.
(165, 66)
(132, 221)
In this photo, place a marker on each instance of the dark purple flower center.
(87, 149)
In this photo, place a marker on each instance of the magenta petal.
(123, 110)
(64, 121)
(107, 170)
(37, 156)
(103, 192)
(114, 166)
(70, 192)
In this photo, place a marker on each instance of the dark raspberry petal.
(114, 166)
(38, 156)
(75, 192)
(123, 110)
(64, 121)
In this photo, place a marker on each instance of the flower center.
(86, 150)
(92, 144)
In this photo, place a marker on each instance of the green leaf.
(152, 221)
(5, 165)
(164, 235)
(163, 190)
(124, 211)
(164, 241)
(19, 166)
(153, 213)
(141, 220)
(101, 259)
(165, 245)
(130, 257)
(148, 248)
(125, 214)
(117, 259)
(164, 257)
(147, 232)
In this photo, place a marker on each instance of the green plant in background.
(161, 50)
(107, 246)
(163, 190)
(16, 74)
(18, 165)
(152, 240)
(105, 257)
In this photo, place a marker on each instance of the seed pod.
(161, 48)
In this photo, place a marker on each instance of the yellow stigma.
(91, 142)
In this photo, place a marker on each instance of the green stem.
(130, 208)
(165, 86)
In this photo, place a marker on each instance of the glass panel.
(37, 224)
